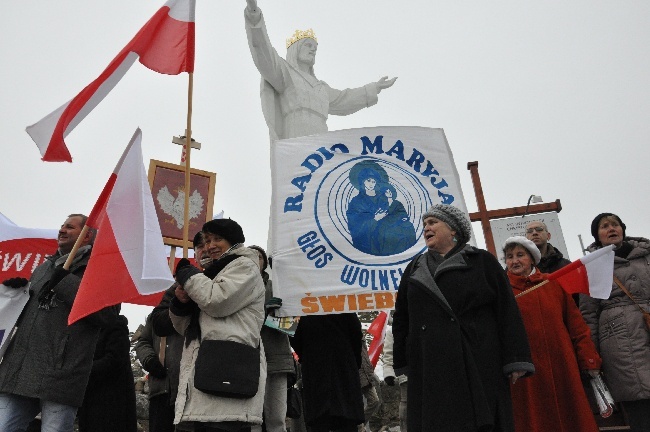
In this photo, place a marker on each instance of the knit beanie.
(454, 217)
(596, 222)
(226, 228)
(264, 257)
(198, 239)
(527, 244)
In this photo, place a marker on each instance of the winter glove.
(16, 282)
(47, 298)
(184, 271)
(390, 380)
(273, 304)
(154, 367)
(59, 274)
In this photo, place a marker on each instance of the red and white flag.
(23, 249)
(377, 329)
(592, 274)
(165, 44)
(128, 263)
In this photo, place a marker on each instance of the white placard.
(516, 226)
(347, 210)
(12, 302)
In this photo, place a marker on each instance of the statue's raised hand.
(251, 5)
(384, 83)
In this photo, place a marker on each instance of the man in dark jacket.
(552, 259)
(47, 365)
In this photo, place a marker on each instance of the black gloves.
(390, 380)
(154, 367)
(184, 271)
(273, 304)
(59, 274)
(16, 282)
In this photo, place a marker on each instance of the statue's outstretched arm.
(383, 82)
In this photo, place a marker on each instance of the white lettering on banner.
(15, 262)
(347, 214)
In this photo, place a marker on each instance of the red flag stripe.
(164, 44)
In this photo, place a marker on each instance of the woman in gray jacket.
(617, 325)
(225, 303)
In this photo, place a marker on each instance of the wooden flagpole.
(75, 248)
(188, 141)
(532, 289)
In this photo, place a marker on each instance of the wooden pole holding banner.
(188, 142)
(172, 258)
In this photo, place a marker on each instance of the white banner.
(346, 214)
(12, 302)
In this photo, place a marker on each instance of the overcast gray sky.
(552, 98)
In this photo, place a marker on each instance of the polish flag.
(165, 44)
(128, 263)
(592, 274)
(23, 249)
(378, 331)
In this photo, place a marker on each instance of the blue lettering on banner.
(309, 244)
(375, 279)
(415, 161)
(312, 163)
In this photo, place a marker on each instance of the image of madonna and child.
(378, 222)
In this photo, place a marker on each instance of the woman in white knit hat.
(561, 346)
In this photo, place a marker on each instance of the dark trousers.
(351, 428)
(638, 415)
(161, 414)
(216, 429)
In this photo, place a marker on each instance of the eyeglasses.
(538, 229)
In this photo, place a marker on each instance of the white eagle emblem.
(174, 206)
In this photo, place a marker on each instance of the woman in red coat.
(552, 400)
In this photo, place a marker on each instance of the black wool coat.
(329, 350)
(47, 358)
(109, 401)
(457, 335)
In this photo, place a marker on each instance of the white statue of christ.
(296, 103)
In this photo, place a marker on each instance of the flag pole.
(188, 141)
(75, 248)
(532, 289)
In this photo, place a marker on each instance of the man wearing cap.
(552, 259)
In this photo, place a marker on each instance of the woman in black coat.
(109, 402)
(329, 351)
(458, 334)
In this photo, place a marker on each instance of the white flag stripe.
(182, 10)
(600, 271)
(11, 231)
(138, 236)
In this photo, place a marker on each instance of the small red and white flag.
(592, 274)
(128, 263)
(377, 329)
(165, 44)
(23, 249)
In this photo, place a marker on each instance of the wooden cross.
(484, 215)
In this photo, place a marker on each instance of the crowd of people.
(473, 347)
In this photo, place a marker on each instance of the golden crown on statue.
(301, 34)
